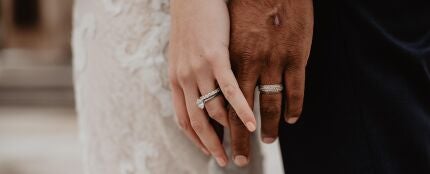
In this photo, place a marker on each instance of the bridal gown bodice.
(127, 124)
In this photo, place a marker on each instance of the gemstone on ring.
(200, 103)
(205, 98)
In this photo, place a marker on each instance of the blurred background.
(38, 131)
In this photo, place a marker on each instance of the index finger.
(233, 94)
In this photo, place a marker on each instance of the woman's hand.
(198, 64)
(270, 44)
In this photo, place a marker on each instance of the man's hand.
(269, 44)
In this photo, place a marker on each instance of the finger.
(240, 137)
(295, 87)
(270, 105)
(183, 119)
(215, 107)
(231, 91)
(236, 98)
(199, 122)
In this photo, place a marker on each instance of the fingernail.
(221, 162)
(206, 152)
(240, 160)
(292, 120)
(268, 140)
(251, 126)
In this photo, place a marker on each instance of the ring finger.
(270, 104)
(215, 107)
(200, 124)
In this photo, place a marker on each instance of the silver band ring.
(205, 98)
(271, 89)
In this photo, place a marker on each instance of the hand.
(199, 63)
(270, 44)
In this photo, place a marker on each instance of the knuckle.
(173, 78)
(184, 125)
(295, 96)
(270, 111)
(183, 75)
(197, 126)
(275, 62)
(229, 90)
(249, 60)
(216, 114)
(246, 76)
(198, 66)
(295, 63)
(248, 57)
(212, 55)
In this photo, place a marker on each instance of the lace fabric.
(126, 118)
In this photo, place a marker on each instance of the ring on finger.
(271, 89)
(205, 98)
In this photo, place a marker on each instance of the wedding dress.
(127, 122)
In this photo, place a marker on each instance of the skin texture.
(199, 63)
(269, 44)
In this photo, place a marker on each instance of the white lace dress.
(127, 123)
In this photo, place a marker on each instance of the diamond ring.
(205, 98)
(271, 89)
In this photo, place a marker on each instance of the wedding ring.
(205, 98)
(271, 89)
